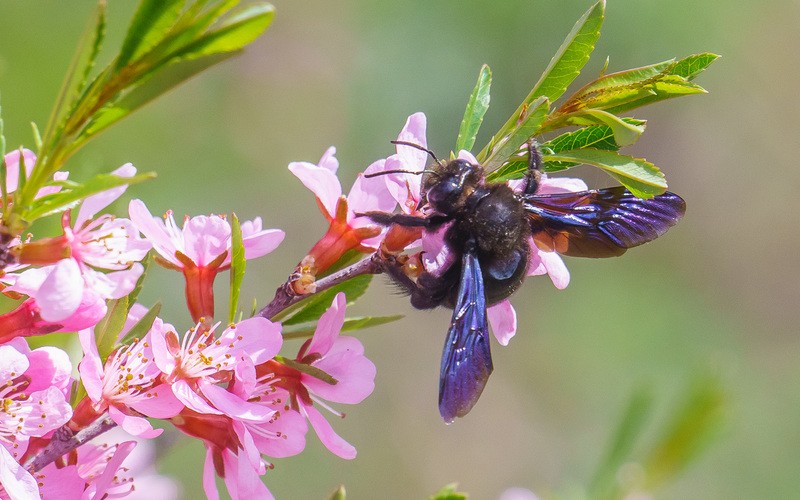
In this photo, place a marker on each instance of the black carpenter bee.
(490, 230)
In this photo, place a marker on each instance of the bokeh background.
(718, 294)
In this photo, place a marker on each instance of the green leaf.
(134, 295)
(72, 193)
(149, 26)
(140, 329)
(573, 54)
(157, 85)
(625, 90)
(74, 82)
(108, 329)
(526, 127)
(564, 67)
(619, 452)
(238, 265)
(449, 493)
(192, 23)
(339, 494)
(625, 133)
(234, 33)
(476, 108)
(692, 427)
(311, 309)
(594, 136)
(308, 369)
(691, 66)
(350, 324)
(641, 177)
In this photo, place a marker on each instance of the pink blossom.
(350, 376)
(346, 231)
(106, 243)
(195, 365)
(366, 193)
(26, 320)
(127, 384)
(31, 413)
(200, 249)
(283, 435)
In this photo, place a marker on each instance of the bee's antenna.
(417, 146)
(398, 171)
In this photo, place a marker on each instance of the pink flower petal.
(328, 326)
(292, 440)
(262, 243)
(12, 364)
(159, 403)
(555, 185)
(355, 374)
(206, 238)
(93, 204)
(503, 320)
(47, 410)
(49, 366)
(328, 160)
(12, 167)
(61, 292)
(437, 257)
(328, 436)
(370, 193)
(466, 155)
(559, 274)
(210, 476)
(243, 481)
(16, 482)
(101, 484)
(191, 399)
(414, 132)
(259, 337)
(234, 406)
(154, 230)
(63, 483)
(321, 181)
(91, 367)
(135, 426)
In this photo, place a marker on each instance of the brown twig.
(286, 297)
(64, 441)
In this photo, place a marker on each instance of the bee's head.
(447, 188)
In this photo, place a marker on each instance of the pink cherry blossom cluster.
(225, 384)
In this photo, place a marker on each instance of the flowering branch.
(65, 440)
(286, 297)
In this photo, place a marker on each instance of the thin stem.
(285, 297)
(64, 441)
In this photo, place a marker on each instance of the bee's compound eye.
(442, 194)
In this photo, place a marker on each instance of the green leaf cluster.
(167, 42)
(594, 113)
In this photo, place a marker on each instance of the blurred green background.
(718, 294)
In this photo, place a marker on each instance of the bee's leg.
(387, 219)
(534, 174)
(426, 293)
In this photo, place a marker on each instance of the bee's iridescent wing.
(467, 358)
(600, 223)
